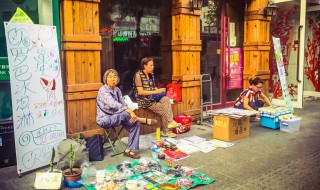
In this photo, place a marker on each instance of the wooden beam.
(81, 95)
(186, 42)
(83, 87)
(186, 77)
(186, 48)
(92, 1)
(190, 84)
(80, 38)
(81, 46)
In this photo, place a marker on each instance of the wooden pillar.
(186, 47)
(80, 45)
(256, 44)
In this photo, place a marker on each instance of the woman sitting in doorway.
(112, 111)
(152, 98)
(249, 98)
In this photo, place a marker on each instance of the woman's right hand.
(133, 117)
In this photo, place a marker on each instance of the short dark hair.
(145, 61)
(256, 81)
(107, 73)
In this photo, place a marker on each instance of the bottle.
(158, 133)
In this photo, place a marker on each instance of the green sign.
(4, 69)
(20, 17)
(120, 39)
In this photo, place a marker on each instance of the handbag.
(186, 122)
(95, 146)
(157, 97)
(174, 91)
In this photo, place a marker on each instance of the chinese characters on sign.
(37, 95)
(282, 73)
(236, 64)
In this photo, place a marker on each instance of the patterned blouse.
(250, 94)
(109, 103)
(148, 84)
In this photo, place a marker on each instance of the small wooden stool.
(113, 130)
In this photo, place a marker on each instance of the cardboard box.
(229, 129)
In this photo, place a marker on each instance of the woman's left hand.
(133, 117)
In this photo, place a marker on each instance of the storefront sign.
(37, 94)
(128, 34)
(282, 73)
(4, 69)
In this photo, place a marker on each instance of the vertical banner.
(282, 72)
(37, 94)
(236, 65)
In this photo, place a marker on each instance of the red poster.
(236, 68)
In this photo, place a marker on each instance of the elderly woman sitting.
(113, 111)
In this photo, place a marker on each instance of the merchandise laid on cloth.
(165, 149)
(233, 112)
(196, 144)
(148, 173)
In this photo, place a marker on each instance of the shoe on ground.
(129, 153)
(173, 124)
(177, 124)
(168, 134)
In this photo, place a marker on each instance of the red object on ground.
(175, 155)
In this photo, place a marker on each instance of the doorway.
(222, 58)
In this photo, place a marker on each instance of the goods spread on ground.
(148, 173)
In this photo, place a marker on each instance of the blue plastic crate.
(273, 123)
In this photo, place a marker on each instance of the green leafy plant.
(71, 161)
(53, 154)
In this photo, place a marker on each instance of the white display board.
(37, 94)
(282, 73)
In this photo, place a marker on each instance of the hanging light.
(271, 9)
(195, 4)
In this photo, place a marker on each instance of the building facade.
(230, 41)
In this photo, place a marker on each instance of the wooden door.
(81, 45)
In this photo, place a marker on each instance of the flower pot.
(72, 177)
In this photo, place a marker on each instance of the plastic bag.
(186, 122)
(131, 105)
(88, 176)
(174, 91)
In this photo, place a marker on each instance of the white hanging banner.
(282, 73)
(37, 94)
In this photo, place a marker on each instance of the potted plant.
(71, 173)
(53, 154)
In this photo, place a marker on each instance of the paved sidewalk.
(267, 159)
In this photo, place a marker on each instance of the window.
(130, 31)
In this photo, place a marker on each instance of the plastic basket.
(269, 122)
(291, 125)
